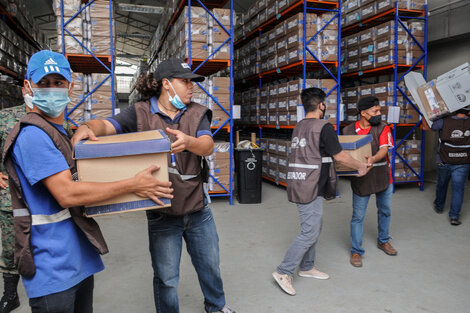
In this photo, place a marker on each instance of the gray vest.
(190, 172)
(455, 141)
(24, 258)
(305, 163)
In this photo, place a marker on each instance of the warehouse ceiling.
(134, 30)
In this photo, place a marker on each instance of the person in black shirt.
(311, 178)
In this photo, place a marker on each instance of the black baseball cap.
(175, 68)
(367, 102)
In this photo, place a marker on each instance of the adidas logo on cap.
(50, 61)
(185, 65)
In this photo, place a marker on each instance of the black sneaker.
(9, 304)
(455, 222)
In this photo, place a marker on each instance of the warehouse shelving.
(13, 23)
(90, 62)
(16, 27)
(303, 66)
(9, 72)
(399, 71)
(208, 67)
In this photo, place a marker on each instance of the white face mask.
(28, 100)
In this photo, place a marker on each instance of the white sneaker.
(285, 282)
(225, 309)
(314, 273)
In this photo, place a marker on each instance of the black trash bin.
(248, 166)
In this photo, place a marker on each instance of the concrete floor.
(430, 274)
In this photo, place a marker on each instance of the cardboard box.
(357, 146)
(401, 175)
(353, 52)
(120, 157)
(368, 10)
(431, 101)
(448, 93)
(367, 62)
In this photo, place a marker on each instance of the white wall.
(445, 56)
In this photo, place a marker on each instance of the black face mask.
(375, 120)
(323, 111)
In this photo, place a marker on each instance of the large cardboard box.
(357, 146)
(121, 157)
(448, 93)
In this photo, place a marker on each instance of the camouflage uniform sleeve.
(8, 119)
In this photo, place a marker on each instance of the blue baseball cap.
(47, 62)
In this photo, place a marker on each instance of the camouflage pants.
(7, 261)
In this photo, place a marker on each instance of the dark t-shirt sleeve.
(329, 143)
(126, 121)
(437, 125)
(204, 127)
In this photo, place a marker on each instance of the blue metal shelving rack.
(208, 67)
(305, 66)
(399, 71)
(89, 63)
(396, 80)
(227, 124)
(337, 76)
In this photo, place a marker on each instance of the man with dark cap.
(57, 248)
(378, 181)
(167, 93)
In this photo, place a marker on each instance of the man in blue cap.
(57, 249)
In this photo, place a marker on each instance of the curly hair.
(148, 87)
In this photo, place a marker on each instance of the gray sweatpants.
(302, 251)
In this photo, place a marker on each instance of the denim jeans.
(166, 233)
(79, 298)
(383, 200)
(457, 174)
(302, 250)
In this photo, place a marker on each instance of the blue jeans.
(383, 201)
(458, 175)
(202, 242)
(302, 251)
(79, 298)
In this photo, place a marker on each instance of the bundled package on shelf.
(218, 102)
(70, 7)
(102, 100)
(74, 26)
(77, 95)
(219, 167)
(97, 26)
(11, 93)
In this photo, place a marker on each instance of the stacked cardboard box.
(204, 33)
(355, 11)
(11, 93)
(15, 51)
(283, 45)
(92, 31)
(277, 104)
(219, 167)
(75, 27)
(219, 99)
(374, 47)
(410, 150)
(260, 12)
(91, 28)
(19, 10)
(385, 93)
(276, 158)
